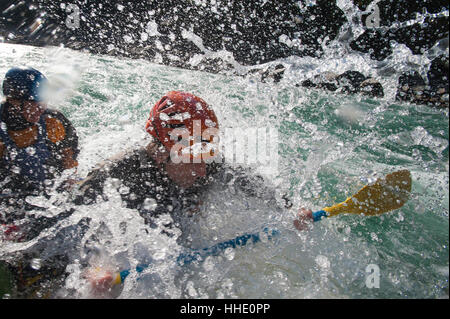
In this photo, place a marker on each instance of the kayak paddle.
(386, 194)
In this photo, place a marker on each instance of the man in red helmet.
(159, 173)
(174, 168)
(172, 171)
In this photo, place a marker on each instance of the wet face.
(32, 111)
(183, 174)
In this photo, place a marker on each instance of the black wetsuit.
(141, 181)
(142, 186)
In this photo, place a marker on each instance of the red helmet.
(179, 110)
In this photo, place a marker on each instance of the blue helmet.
(24, 84)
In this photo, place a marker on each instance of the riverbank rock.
(220, 36)
(349, 82)
(272, 73)
(419, 24)
(433, 90)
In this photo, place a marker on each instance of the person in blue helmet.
(36, 143)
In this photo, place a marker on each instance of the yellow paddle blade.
(386, 194)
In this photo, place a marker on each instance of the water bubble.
(374, 237)
(165, 219)
(208, 264)
(30, 150)
(227, 285)
(347, 230)
(399, 217)
(264, 237)
(128, 39)
(229, 253)
(144, 37)
(164, 117)
(15, 169)
(416, 154)
(210, 123)
(152, 26)
(150, 204)
(322, 262)
(36, 263)
(133, 196)
(191, 290)
(124, 190)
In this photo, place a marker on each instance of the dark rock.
(410, 87)
(438, 81)
(326, 80)
(398, 22)
(371, 88)
(413, 88)
(410, 79)
(438, 73)
(307, 84)
(272, 73)
(349, 82)
(373, 42)
(254, 32)
(251, 31)
(186, 34)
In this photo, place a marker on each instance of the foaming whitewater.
(330, 146)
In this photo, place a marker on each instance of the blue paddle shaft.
(319, 215)
(215, 250)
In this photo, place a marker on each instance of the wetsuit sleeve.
(120, 167)
(63, 140)
(254, 185)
